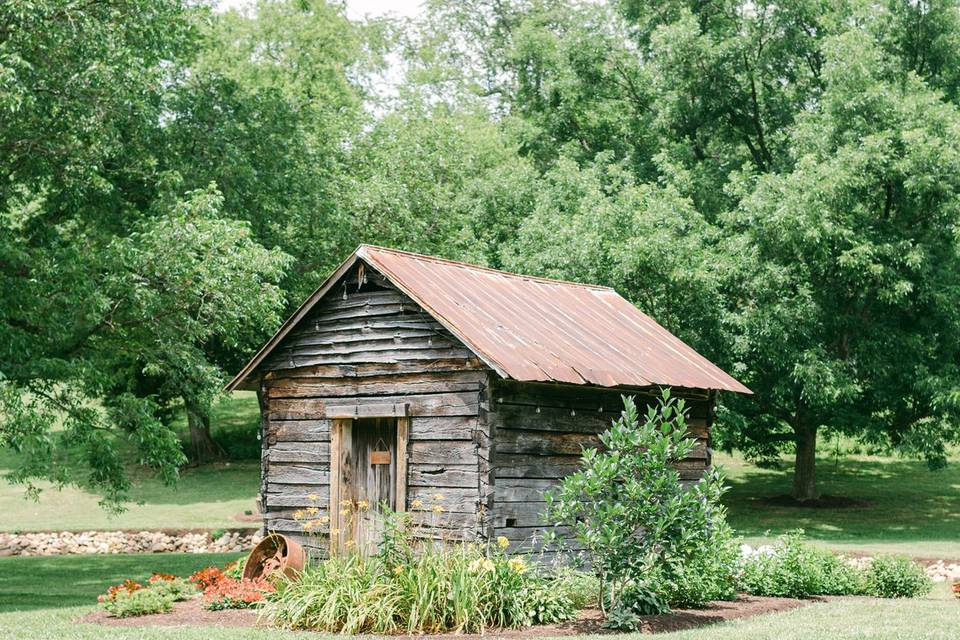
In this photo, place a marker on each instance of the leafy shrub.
(897, 577)
(177, 588)
(705, 576)
(793, 569)
(417, 586)
(636, 520)
(228, 593)
(124, 603)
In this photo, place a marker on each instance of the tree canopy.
(774, 182)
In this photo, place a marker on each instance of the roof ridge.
(477, 267)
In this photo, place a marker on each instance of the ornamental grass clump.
(651, 541)
(417, 582)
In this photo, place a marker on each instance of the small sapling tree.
(651, 540)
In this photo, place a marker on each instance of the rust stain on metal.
(534, 329)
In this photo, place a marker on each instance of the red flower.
(230, 593)
(162, 577)
(205, 578)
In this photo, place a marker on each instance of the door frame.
(341, 425)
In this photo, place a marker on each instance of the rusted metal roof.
(535, 329)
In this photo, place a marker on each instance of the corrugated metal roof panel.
(535, 329)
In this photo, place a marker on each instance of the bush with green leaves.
(139, 602)
(794, 569)
(897, 577)
(644, 532)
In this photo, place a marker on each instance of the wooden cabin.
(404, 377)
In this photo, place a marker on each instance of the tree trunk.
(203, 447)
(805, 467)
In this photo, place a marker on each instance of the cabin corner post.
(485, 441)
(264, 401)
(403, 435)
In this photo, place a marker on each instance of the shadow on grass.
(891, 500)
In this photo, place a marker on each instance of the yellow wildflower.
(487, 565)
(313, 497)
(313, 511)
(516, 564)
(316, 523)
(298, 515)
(437, 508)
(324, 519)
(502, 542)
(475, 565)
(363, 504)
(349, 543)
(344, 512)
(397, 570)
(438, 497)
(346, 503)
(307, 526)
(416, 504)
(334, 532)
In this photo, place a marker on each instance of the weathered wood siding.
(539, 431)
(372, 347)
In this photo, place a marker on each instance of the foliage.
(897, 577)
(417, 583)
(140, 602)
(235, 569)
(647, 535)
(793, 569)
(131, 598)
(581, 588)
(177, 588)
(230, 593)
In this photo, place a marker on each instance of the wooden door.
(368, 469)
(374, 482)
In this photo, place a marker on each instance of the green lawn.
(911, 510)
(68, 581)
(206, 496)
(42, 597)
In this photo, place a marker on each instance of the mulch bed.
(192, 613)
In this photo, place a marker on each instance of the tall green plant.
(642, 529)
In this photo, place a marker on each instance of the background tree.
(113, 279)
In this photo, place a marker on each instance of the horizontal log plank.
(296, 474)
(442, 452)
(454, 500)
(546, 443)
(304, 452)
(439, 475)
(359, 370)
(292, 362)
(441, 404)
(362, 387)
(298, 430)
